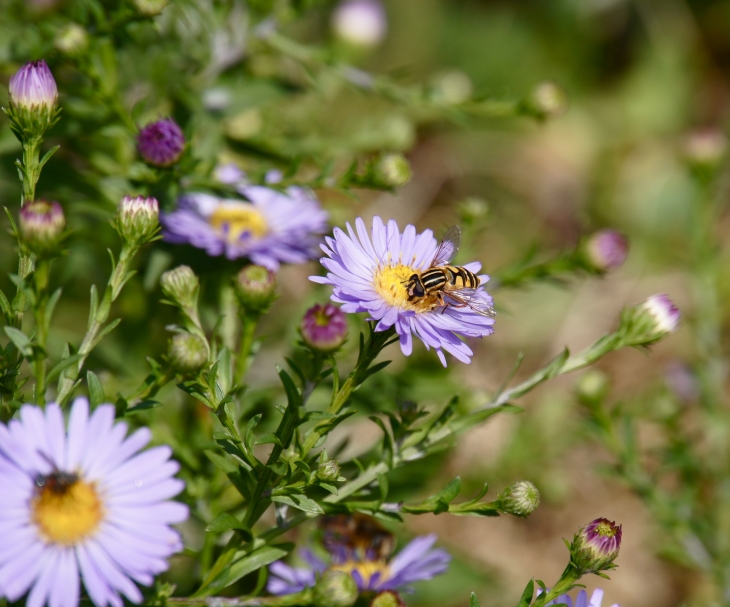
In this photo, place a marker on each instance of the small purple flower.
(581, 600)
(33, 86)
(596, 546)
(161, 143)
(360, 22)
(273, 228)
(415, 563)
(369, 273)
(80, 502)
(606, 250)
(324, 328)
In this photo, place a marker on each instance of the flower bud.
(451, 88)
(360, 22)
(33, 97)
(256, 289)
(137, 219)
(71, 40)
(605, 250)
(520, 499)
(704, 149)
(324, 328)
(161, 143)
(387, 598)
(473, 210)
(547, 100)
(181, 286)
(41, 226)
(334, 589)
(392, 170)
(592, 387)
(649, 321)
(150, 8)
(328, 469)
(187, 352)
(596, 546)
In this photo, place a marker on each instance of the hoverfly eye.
(418, 290)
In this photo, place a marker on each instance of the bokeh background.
(641, 76)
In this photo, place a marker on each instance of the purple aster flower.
(606, 250)
(161, 143)
(273, 228)
(33, 86)
(415, 563)
(581, 600)
(324, 328)
(82, 503)
(369, 273)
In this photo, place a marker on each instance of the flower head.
(334, 589)
(596, 546)
(161, 143)
(416, 562)
(650, 321)
(606, 250)
(581, 600)
(256, 289)
(181, 285)
(273, 228)
(387, 598)
(82, 503)
(324, 328)
(187, 352)
(392, 170)
(369, 273)
(72, 40)
(360, 22)
(137, 219)
(33, 87)
(520, 499)
(41, 226)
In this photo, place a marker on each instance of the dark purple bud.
(161, 143)
(324, 328)
(596, 546)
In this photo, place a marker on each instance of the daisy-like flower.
(273, 228)
(369, 273)
(83, 504)
(581, 600)
(415, 563)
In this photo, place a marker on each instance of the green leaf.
(526, 598)
(144, 405)
(222, 463)
(225, 522)
(473, 601)
(438, 502)
(20, 340)
(62, 365)
(300, 502)
(383, 484)
(268, 439)
(248, 564)
(5, 307)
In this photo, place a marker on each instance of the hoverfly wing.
(476, 301)
(448, 248)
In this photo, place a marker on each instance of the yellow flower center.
(391, 283)
(66, 509)
(234, 221)
(366, 569)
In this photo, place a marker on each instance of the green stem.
(41, 329)
(97, 318)
(303, 597)
(31, 168)
(248, 330)
(566, 582)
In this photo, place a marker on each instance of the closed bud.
(255, 287)
(451, 88)
(596, 546)
(71, 40)
(387, 598)
(592, 387)
(161, 143)
(649, 321)
(360, 22)
(605, 250)
(328, 469)
(181, 287)
(187, 352)
(324, 328)
(150, 8)
(137, 219)
(547, 100)
(392, 170)
(520, 499)
(705, 149)
(33, 97)
(41, 226)
(334, 589)
(472, 210)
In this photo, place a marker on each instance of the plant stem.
(566, 582)
(248, 330)
(41, 329)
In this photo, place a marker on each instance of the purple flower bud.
(256, 289)
(33, 87)
(360, 22)
(161, 143)
(324, 328)
(137, 219)
(41, 226)
(664, 312)
(649, 321)
(606, 250)
(596, 546)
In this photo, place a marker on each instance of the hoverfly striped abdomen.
(461, 278)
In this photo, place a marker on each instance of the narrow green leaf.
(526, 598)
(473, 602)
(5, 307)
(222, 463)
(60, 366)
(225, 522)
(268, 439)
(20, 339)
(248, 564)
(299, 501)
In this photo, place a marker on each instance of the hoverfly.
(442, 280)
(357, 534)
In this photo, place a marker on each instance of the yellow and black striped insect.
(450, 285)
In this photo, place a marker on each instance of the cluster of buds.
(595, 547)
(520, 499)
(41, 225)
(137, 219)
(324, 328)
(161, 143)
(649, 322)
(255, 287)
(33, 101)
(604, 251)
(187, 353)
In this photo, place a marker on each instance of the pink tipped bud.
(33, 87)
(664, 313)
(649, 321)
(255, 287)
(360, 22)
(161, 143)
(324, 328)
(41, 226)
(705, 148)
(137, 219)
(606, 250)
(596, 546)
